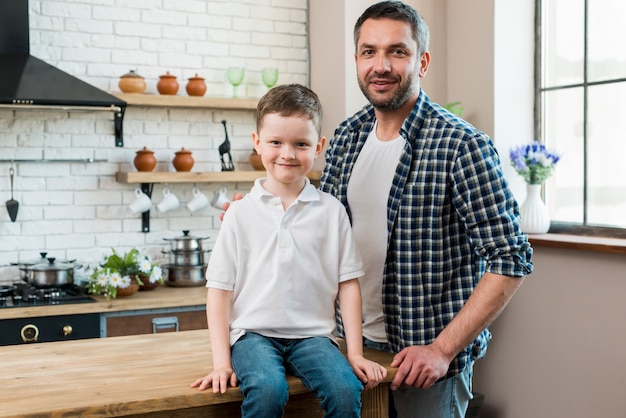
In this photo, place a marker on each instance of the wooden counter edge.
(193, 360)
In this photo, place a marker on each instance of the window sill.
(579, 242)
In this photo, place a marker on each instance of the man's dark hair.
(396, 10)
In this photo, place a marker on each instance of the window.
(581, 110)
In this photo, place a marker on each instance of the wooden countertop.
(116, 376)
(161, 297)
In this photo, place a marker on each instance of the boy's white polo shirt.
(284, 266)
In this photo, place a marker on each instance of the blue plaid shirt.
(451, 217)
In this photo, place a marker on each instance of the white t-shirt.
(283, 266)
(368, 193)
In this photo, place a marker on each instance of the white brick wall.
(78, 210)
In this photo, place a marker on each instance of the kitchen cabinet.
(116, 324)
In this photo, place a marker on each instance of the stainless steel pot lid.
(185, 237)
(51, 265)
(41, 260)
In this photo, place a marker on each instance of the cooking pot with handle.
(186, 242)
(186, 258)
(50, 273)
(184, 276)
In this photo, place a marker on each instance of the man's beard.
(400, 97)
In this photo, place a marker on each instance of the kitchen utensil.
(220, 198)
(186, 258)
(169, 201)
(186, 242)
(199, 201)
(132, 83)
(224, 149)
(145, 160)
(142, 202)
(196, 86)
(183, 160)
(50, 273)
(27, 263)
(12, 204)
(184, 276)
(167, 84)
(269, 75)
(235, 77)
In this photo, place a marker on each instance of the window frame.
(565, 227)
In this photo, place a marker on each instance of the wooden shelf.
(196, 177)
(156, 100)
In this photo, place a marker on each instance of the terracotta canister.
(145, 160)
(132, 83)
(167, 84)
(196, 86)
(255, 161)
(183, 161)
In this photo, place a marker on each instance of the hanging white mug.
(169, 201)
(219, 198)
(199, 201)
(142, 202)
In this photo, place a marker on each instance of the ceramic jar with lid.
(256, 162)
(167, 84)
(145, 160)
(196, 86)
(183, 161)
(132, 82)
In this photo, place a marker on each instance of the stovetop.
(24, 295)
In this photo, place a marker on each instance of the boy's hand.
(369, 372)
(237, 196)
(218, 379)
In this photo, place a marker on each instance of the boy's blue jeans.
(261, 363)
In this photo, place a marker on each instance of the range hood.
(26, 82)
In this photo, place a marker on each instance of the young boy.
(284, 255)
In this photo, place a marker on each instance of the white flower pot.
(533, 212)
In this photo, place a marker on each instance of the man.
(432, 215)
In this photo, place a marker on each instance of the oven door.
(49, 328)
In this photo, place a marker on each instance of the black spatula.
(12, 205)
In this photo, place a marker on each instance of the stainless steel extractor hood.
(27, 82)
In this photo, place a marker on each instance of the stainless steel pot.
(186, 242)
(26, 264)
(184, 276)
(186, 258)
(50, 273)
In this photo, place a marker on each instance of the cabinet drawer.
(140, 322)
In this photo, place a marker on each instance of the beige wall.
(556, 350)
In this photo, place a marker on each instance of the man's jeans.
(261, 363)
(448, 398)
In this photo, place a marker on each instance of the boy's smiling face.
(288, 146)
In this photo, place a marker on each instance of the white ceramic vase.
(533, 212)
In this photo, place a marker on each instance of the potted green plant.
(123, 274)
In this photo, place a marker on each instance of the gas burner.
(24, 294)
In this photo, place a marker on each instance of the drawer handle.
(164, 322)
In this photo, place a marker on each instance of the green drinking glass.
(235, 77)
(269, 77)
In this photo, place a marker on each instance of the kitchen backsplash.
(77, 210)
